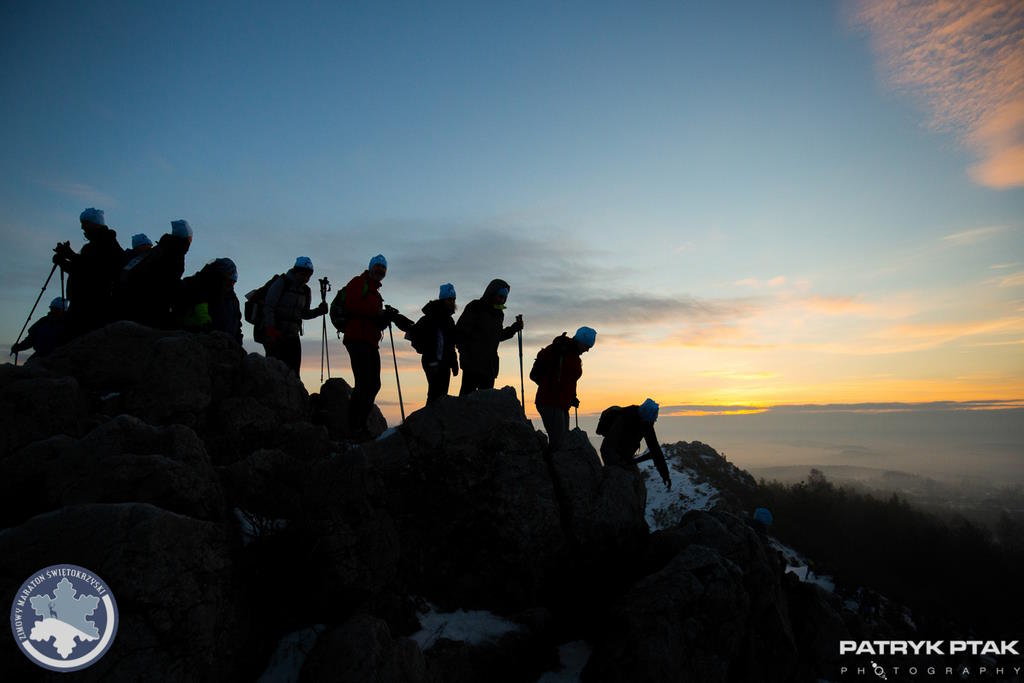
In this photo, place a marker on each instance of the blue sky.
(749, 189)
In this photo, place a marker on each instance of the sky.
(754, 204)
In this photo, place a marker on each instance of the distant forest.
(950, 572)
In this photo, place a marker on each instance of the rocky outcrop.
(199, 481)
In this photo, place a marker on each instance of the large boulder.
(362, 649)
(468, 486)
(123, 460)
(330, 408)
(181, 618)
(35, 405)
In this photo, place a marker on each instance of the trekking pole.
(394, 356)
(325, 351)
(45, 285)
(62, 283)
(576, 409)
(522, 389)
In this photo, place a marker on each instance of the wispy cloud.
(754, 283)
(1003, 266)
(1015, 280)
(973, 236)
(87, 193)
(963, 61)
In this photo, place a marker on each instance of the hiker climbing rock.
(48, 332)
(91, 273)
(359, 312)
(207, 301)
(623, 428)
(149, 284)
(286, 305)
(479, 331)
(433, 337)
(556, 370)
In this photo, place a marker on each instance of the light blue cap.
(586, 336)
(93, 216)
(227, 266)
(181, 228)
(304, 262)
(141, 240)
(649, 411)
(502, 292)
(59, 304)
(447, 291)
(378, 260)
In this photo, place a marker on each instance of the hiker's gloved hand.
(321, 309)
(518, 324)
(575, 402)
(455, 369)
(273, 334)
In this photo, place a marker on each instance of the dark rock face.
(492, 534)
(362, 649)
(171, 576)
(34, 406)
(330, 408)
(124, 460)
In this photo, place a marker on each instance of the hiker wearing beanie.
(433, 337)
(479, 331)
(140, 245)
(286, 306)
(48, 332)
(556, 370)
(91, 273)
(623, 428)
(365, 316)
(207, 301)
(149, 283)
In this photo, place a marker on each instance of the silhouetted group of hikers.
(144, 284)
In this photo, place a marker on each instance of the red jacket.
(364, 307)
(559, 368)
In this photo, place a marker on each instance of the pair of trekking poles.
(32, 312)
(325, 354)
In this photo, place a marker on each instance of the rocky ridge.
(227, 509)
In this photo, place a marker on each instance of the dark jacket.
(91, 278)
(479, 331)
(149, 283)
(556, 370)
(623, 428)
(205, 304)
(287, 305)
(435, 335)
(44, 336)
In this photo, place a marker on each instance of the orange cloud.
(963, 60)
(776, 281)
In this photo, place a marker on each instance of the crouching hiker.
(481, 327)
(207, 301)
(433, 337)
(623, 428)
(556, 370)
(48, 332)
(285, 307)
(361, 314)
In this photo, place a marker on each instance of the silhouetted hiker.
(207, 301)
(433, 337)
(284, 309)
(364, 317)
(48, 332)
(140, 245)
(479, 331)
(556, 370)
(149, 283)
(623, 428)
(91, 273)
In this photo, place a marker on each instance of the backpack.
(339, 316)
(417, 337)
(254, 302)
(548, 362)
(604, 423)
